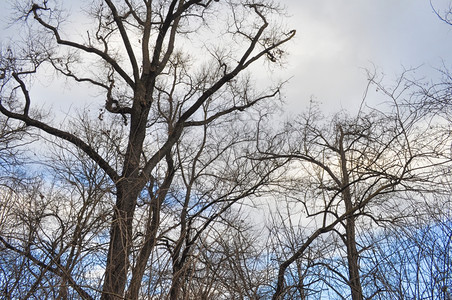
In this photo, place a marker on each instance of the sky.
(337, 40)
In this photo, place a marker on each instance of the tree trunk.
(151, 234)
(352, 259)
(120, 242)
(175, 289)
(350, 234)
(128, 189)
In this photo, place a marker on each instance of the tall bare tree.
(353, 171)
(152, 87)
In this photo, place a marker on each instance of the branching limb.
(231, 109)
(35, 9)
(65, 136)
(125, 40)
(57, 271)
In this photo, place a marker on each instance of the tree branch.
(65, 136)
(84, 48)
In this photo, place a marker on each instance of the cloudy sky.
(338, 39)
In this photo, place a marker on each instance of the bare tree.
(55, 227)
(354, 170)
(150, 88)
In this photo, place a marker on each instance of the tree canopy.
(173, 177)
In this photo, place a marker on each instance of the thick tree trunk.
(120, 243)
(128, 190)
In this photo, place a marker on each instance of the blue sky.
(337, 39)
